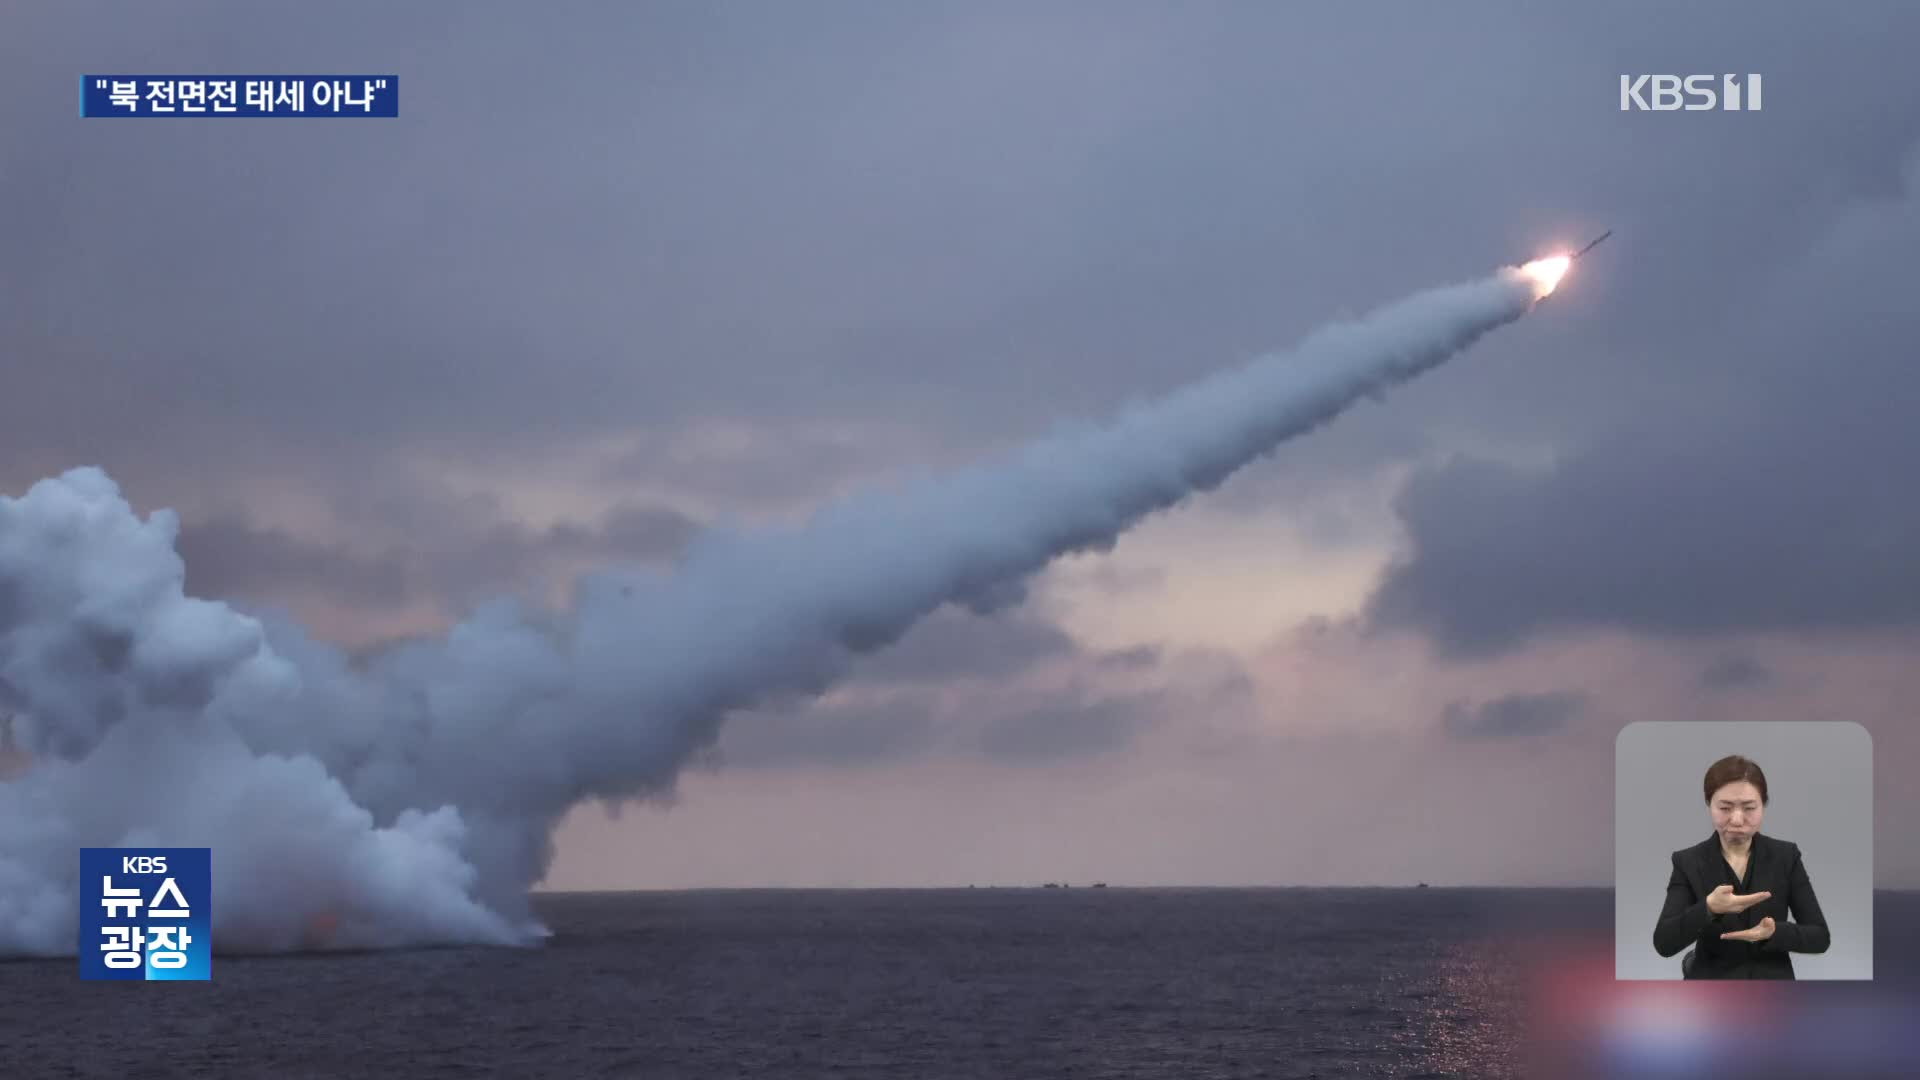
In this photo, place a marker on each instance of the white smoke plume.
(410, 800)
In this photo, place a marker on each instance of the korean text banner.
(199, 96)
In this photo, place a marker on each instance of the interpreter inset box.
(1743, 850)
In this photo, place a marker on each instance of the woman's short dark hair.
(1732, 769)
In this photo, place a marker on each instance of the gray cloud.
(770, 464)
(1513, 715)
(901, 702)
(229, 557)
(1735, 672)
(952, 644)
(898, 728)
(906, 708)
(1011, 725)
(1137, 658)
(1790, 519)
(1122, 580)
(478, 566)
(1096, 717)
(1063, 730)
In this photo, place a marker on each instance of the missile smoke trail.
(411, 801)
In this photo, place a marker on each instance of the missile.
(1594, 243)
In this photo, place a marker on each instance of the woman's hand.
(1722, 900)
(1759, 932)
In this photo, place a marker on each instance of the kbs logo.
(1694, 93)
(146, 913)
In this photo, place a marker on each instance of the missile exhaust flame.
(1546, 274)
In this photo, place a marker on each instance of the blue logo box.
(146, 913)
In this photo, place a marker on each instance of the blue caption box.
(235, 96)
(146, 913)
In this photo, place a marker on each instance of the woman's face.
(1736, 812)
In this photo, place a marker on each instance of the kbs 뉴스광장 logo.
(146, 913)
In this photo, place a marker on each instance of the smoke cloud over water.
(410, 800)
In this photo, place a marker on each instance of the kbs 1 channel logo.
(146, 913)
(1692, 93)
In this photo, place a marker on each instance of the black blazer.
(1773, 866)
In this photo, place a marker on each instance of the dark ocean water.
(1044, 983)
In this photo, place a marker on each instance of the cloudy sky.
(619, 272)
